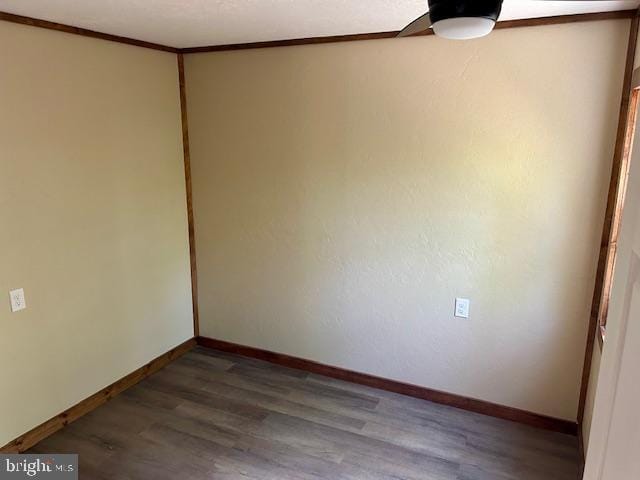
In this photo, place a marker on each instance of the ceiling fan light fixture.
(463, 28)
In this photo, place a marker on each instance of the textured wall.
(92, 207)
(345, 194)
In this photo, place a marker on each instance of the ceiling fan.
(457, 19)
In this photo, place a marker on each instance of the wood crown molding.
(42, 431)
(60, 27)
(436, 396)
(527, 22)
(189, 193)
(615, 198)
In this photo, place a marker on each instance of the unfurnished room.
(319, 239)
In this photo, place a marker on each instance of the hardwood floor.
(218, 416)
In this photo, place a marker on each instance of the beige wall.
(92, 207)
(345, 194)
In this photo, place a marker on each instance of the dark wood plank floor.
(219, 416)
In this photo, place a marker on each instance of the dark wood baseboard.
(450, 399)
(42, 431)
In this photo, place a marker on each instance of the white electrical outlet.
(17, 300)
(462, 308)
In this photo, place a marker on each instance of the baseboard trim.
(450, 399)
(42, 431)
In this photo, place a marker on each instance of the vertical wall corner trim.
(187, 178)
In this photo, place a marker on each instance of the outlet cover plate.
(17, 300)
(462, 308)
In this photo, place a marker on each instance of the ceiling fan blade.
(420, 24)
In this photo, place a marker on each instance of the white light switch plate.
(17, 300)
(462, 308)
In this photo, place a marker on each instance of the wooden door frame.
(615, 203)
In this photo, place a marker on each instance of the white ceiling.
(189, 23)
